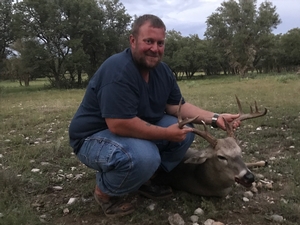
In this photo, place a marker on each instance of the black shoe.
(154, 191)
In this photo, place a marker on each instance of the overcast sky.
(189, 16)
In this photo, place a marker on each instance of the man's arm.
(139, 128)
(190, 111)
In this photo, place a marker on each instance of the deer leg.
(257, 164)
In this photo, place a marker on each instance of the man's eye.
(148, 41)
(160, 44)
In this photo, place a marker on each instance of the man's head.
(147, 40)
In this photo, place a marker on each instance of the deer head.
(222, 159)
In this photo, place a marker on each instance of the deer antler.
(204, 134)
(243, 116)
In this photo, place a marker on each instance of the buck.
(213, 170)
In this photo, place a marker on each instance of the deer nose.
(249, 177)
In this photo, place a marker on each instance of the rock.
(253, 189)
(259, 176)
(57, 188)
(248, 194)
(35, 170)
(176, 219)
(66, 211)
(209, 222)
(217, 223)
(71, 201)
(276, 218)
(199, 212)
(269, 186)
(194, 218)
(152, 206)
(245, 199)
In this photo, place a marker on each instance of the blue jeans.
(124, 164)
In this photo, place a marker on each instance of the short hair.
(155, 22)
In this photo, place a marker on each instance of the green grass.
(34, 134)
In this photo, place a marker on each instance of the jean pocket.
(97, 154)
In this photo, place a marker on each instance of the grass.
(34, 135)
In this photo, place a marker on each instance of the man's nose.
(154, 47)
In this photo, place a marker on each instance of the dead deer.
(212, 171)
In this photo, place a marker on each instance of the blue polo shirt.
(117, 90)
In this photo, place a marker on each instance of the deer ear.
(195, 160)
(200, 157)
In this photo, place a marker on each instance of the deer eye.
(221, 158)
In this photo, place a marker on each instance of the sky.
(189, 16)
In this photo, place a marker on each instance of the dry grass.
(34, 136)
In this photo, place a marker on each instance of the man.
(126, 126)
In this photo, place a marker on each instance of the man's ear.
(132, 41)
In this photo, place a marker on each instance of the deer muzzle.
(246, 180)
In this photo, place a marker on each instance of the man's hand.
(175, 134)
(229, 118)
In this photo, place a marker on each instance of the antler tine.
(252, 114)
(239, 105)
(181, 122)
(204, 134)
(207, 136)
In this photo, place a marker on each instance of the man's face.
(148, 47)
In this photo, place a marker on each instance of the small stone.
(66, 211)
(176, 219)
(217, 223)
(43, 216)
(248, 194)
(259, 185)
(152, 206)
(276, 218)
(253, 188)
(1, 215)
(1, 156)
(269, 186)
(57, 188)
(209, 222)
(245, 199)
(71, 201)
(194, 218)
(78, 176)
(199, 212)
(35, 170)
(69, 176)
(259, 176)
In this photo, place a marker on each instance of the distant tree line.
(67, 40)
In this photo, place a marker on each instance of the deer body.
(211, 171)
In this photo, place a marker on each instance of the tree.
(117, 26)
(237, 28)
(173, 43)
(77, 35)
(6, 35)
(291, 48)
(41, 21)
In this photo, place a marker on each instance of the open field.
(39, 173)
